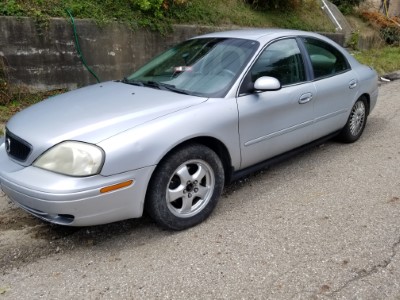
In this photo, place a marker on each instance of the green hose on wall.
(78, 48)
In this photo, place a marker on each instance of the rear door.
(336, 86)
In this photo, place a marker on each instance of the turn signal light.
(116, 186)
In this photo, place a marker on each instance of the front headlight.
(72, 158)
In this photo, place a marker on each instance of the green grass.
(309, 16)
(384, 60)
(237, 12)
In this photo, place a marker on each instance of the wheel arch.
(367, 98)
(153, 210)
(214, 144)
(219, 148)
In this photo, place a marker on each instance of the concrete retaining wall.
(48, 60)
(45, 60)
(379, 5)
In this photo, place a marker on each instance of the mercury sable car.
(166, 138)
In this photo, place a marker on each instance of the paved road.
(322, 225)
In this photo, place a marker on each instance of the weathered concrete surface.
(47, 59)
(378, 5)
(322, 225)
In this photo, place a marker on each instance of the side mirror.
(267, 83)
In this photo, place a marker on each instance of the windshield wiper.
(176, 90)
(132, 82)
(165, 87)
(155, 84)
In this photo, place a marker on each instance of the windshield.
(204, 67)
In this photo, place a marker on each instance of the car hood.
(94, 113)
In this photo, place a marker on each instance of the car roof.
(257, 34)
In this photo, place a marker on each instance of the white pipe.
(332, 15)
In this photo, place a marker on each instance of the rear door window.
(325, 59)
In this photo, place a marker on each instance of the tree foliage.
(274, 4)
(346, 2)
(152, 6)
(346, 6)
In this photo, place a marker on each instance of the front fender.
(147, 144)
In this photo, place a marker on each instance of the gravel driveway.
(322, 225)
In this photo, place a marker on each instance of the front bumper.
(73, 201)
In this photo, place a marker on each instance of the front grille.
(16, 147)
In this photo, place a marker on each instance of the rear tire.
(355, 125)
(185, 187)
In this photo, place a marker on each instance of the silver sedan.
(168, 137)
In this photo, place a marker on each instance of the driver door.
(273, 122)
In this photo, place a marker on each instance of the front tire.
(185, 187)
(355, 125)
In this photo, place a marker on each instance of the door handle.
(307, 97)
(353, 84)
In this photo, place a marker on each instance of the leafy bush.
(347, 2)
(10, 8)
(154, 7)
(274, 4)
(160, 14)
(391, 35)
(346, 6)
(388, 27)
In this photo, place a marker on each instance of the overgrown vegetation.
(275, 4)
(384, 60)
(389, 27)
(159, 14)
(346, 6)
